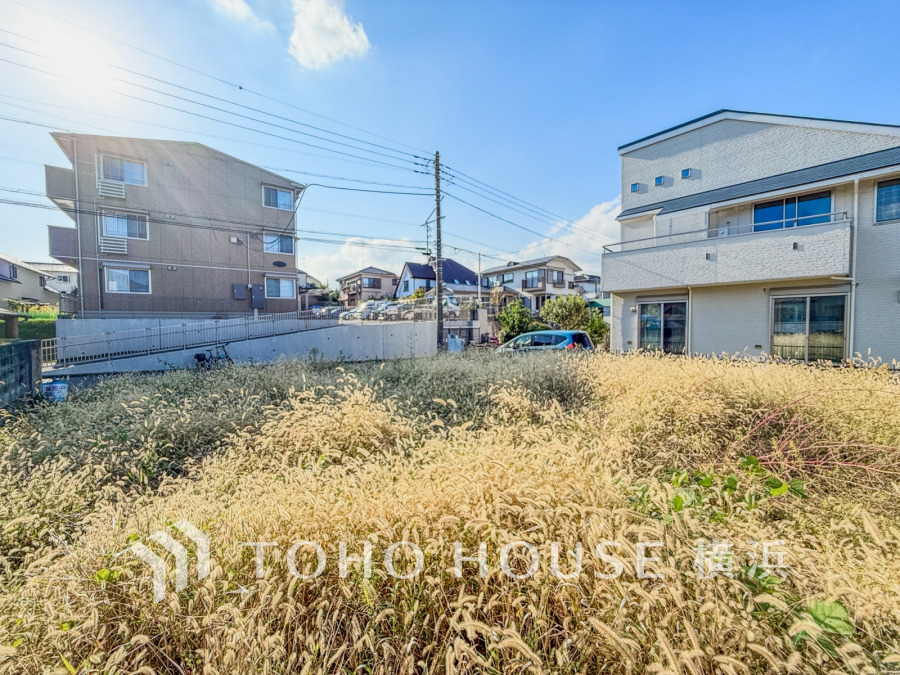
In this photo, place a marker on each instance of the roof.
(451, 271)
(725, 113)
(814, 174)
(54, 267)
(587, 278)
(7, 312)
(19, 263)
(530, 263)
(58, 136)
(367, 270)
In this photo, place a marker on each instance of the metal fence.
(118, 344)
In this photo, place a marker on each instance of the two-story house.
(370, 283)
(169, 228)
(23, 282)
(747, 233)
(458, 279)
(536, 280)
(65, 277)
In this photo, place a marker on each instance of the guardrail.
(65, 351)
(727, 230)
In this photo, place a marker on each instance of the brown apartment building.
(170, 228)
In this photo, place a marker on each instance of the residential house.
(589, 287)
(65, 277)
(366, 284)
(23, 282)
(536, 280)
(168, 228)
(458, 279)
(748, 233)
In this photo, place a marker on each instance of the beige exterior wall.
(206, 223)
(28, 286)
(352, 292)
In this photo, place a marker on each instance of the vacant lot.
(692, 465)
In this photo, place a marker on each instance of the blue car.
(548, 339)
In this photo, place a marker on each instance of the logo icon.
(158, 565)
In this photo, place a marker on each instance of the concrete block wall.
(20, 370)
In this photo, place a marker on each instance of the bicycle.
(204, 362)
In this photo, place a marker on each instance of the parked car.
(548, 339)
(362, 311)
(389, 312)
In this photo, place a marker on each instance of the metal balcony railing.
(727, 230)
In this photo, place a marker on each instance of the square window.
(685, 173)
(635, 187)
(123, 170)
(660, 180)
(279, 288)
(278, 243)
(125, 225)
(121, 280)
(278, 199)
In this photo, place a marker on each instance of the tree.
(419, 293)
(515, 319)
(571, 312)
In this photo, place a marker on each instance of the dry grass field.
(710, 458)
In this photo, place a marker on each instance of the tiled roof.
(528, 263)
(367, 270)
(814, 174)
(453, 272)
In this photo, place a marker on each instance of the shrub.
(516, 319)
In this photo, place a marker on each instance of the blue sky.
(529, 97)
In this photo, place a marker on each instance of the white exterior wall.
(730, 151)
(413, 284)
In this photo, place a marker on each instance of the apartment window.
(278, 243)
(635, 187)
(406, 285)
(123, 170)
(371, 282)
(119, 280)
(685, 173)
(663, 326)
(793, 211)
(887, 201)
(280, 288)
(809, 328)
(278, 199)
(125, 225)
(659, 180)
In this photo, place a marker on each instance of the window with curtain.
(278, 243)
(123, 170)
(791, 212)
(887, 201)
(120, 280)
(280, 288)
(126, 225)
(278, 199)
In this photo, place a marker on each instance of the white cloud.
(582, 241)
(239, 10)
(324, 35)
(351, 256)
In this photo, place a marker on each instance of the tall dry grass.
(543, 449)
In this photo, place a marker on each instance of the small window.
(125, 225)
(507, 278)
(42, 281)
(394, 282)
(556, 277)
(887, 201)
(280, 288)
(63, 278)
(278, 243)
(660, 180)
(120, 280)
(406, 285)
(278, 199)
(123, 170)
(13, 272)
(686, 173)
(635, 187)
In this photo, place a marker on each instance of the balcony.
(60, 185)
(750, 253)
(63, 243)
(534, 285)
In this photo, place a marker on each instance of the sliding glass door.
(663, 326)
(809, 328)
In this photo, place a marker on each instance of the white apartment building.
(536, 280)
(748, 233)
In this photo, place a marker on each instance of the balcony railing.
(726, 230)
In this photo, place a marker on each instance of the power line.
(207, 75)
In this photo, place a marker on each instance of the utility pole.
(438, 264)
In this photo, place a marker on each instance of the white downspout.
(78, 228)
(690, 321)
(853, 282)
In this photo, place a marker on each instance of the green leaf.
(831, 617)
(749, 462)
(705, 480)
(68, 665)
(776, 487)
(731, 483)
(678, 503)
(797, 488)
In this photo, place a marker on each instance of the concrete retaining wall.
(351, 342)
